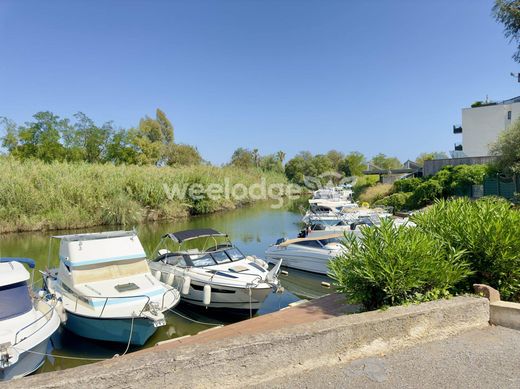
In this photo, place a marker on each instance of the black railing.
(457, 130)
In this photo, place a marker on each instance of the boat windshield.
(14, 300)
(109, 271)
(216, 257)
(325, 242)
(235, 254)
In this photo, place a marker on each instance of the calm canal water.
(252, 229)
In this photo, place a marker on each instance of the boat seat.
(163, 251)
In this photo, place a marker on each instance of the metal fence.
(502, 186)
(433, 166)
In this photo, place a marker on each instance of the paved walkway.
(319, 309)
(485, 358)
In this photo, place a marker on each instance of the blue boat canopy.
(27, 261)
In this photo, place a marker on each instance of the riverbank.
(38, 196)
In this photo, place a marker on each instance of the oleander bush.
(488, 230)
(390, 265)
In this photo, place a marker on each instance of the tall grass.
(37, 196)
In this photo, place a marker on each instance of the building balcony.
(458, 146)
(457, 130)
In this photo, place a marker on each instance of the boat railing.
(107, 299)
(50, 311)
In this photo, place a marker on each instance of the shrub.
(391, 265)
(489, 232)
(407, 184)
(425, 194)
(374, 193)
(362, 183)
(398, 201)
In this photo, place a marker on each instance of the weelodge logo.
(327, 180)
(237, 192)
(256, 192)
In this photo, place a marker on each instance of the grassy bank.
(39, 196)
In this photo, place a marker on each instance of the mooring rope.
(81, 358)
(193, 320)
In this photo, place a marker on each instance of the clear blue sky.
(375, 76)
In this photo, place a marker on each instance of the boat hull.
(227, 297)
(28, 362)
(111, 330)
(310, 263)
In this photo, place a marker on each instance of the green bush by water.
(393, 266)
(489, 232)
(35, 195)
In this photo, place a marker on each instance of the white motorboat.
(311, 253)
(26, 321)
(106, 287)
(217, 275)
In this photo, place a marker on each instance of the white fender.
(157, 274)
(169, 279)
(186, 285)
(207, 294)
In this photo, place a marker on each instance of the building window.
(508, 115)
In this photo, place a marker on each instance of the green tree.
(120, 148)
(85, 140)
(42, 138)
(243, 158)
(352, 165)
(384, 162)
(507, 12)
(430, 156)
(335, 157)
(322, 164)
(166, 126)
(10, 141)
(507, 149)
(183, 155)
(271, 163)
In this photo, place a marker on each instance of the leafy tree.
(507, 12)
(243, 158)
(352, 165)
(384, 162)
(166, 126)
(335, 157)
(507, 149)
(120, 149)
(295, 169)
(85, 140)
(322, 164)
(430, 156)
(271, 163)
(42, 138)
(181, 154)
(11, 140)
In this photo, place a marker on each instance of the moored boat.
(26, 321)
(106, 288)
(216, 274)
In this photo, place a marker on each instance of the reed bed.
(38, 196)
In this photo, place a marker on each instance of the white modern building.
(481, 126)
